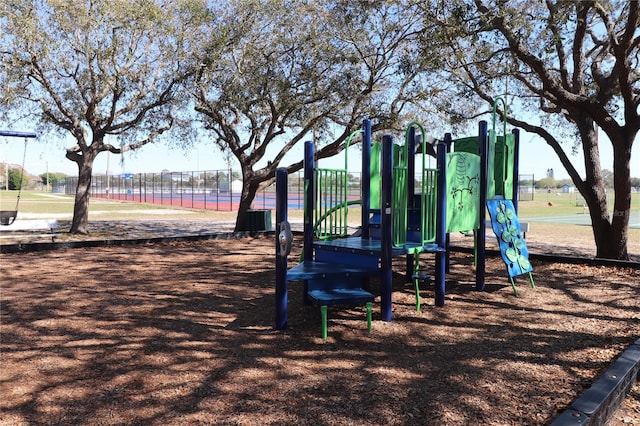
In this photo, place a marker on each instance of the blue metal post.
(386, 279)
(13, 134)
(483, 141)
(448, 140)
(365, 178)
(411, 164)
(441, 218)
(516, 168)
(309, 203)
(309, 199)
(282, 296)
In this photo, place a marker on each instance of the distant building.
(236, 186)
(568, 189)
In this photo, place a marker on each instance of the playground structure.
(399, 219)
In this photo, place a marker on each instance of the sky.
(42, 156)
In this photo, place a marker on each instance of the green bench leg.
(323, 314)
(369, 310)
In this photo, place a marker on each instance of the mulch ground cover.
(181, 333)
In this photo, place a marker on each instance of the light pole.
(6, 166)
(108, 183)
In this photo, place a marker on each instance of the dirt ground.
(181, 333)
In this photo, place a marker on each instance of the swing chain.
(24, 158)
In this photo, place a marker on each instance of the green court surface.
(577, 219)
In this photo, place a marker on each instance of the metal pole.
(411, 164)
(309, 206)
(386, 278)
(365, 182)
(13, 134)
(483, 141)
(516, 168)
(441, 220)
(108, 180)
(282, 297)
(448, 140)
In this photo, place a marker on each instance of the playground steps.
(312, 269)
(413, 247)
(365, 253)
(331, 284)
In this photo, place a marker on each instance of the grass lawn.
(42, 202)
(572, 220)
(61, 206)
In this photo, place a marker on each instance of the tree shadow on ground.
(181, 333)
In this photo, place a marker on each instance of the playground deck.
(372, 247)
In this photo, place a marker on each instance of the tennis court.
(579, 219)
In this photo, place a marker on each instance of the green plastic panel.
(399, 196)
(491, 166)
(399, 207)
(374, 176)
(504, 165)
(469, 144)
(428, 202)
(463, 183)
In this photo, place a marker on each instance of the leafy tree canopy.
(566, 68)
(304, 69)
(96, 70)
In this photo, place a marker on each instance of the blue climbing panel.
(506, 226)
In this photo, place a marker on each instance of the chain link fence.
(209, 190)
(526, 187)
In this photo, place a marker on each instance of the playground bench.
(13, 230)
(524, 226)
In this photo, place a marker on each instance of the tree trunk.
(610, 233)
(249, 191)
(81, 205)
